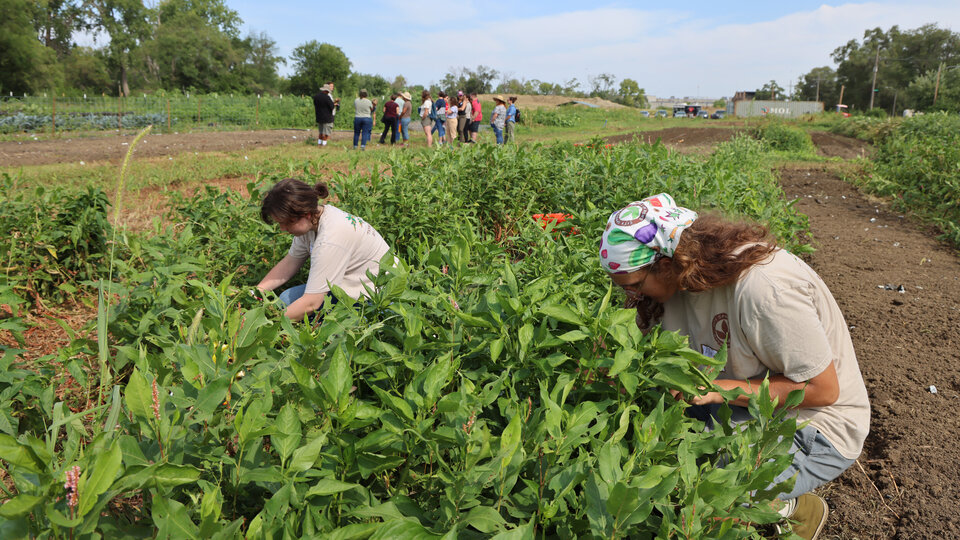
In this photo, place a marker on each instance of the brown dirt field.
(904, 486)
(687, 140)
(905, 482)
(89, 150)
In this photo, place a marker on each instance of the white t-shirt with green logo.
(341, 251)
(780, 318)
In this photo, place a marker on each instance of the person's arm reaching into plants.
(280, 274)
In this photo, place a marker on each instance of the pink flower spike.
(156, 400)
(73, 476)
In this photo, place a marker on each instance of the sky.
(695, 48)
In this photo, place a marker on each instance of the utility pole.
(936, 86)
(893, 112)
(873, 87)
(818, 88)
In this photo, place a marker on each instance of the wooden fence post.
(258, 109)
(168, 115)
(54, 115)
(120, 115)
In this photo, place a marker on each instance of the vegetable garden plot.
(489, 387)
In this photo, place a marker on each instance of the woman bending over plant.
(341, 247)
(725, 283)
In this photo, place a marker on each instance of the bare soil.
(904, 486)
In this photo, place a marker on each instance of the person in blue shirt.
(511, 119)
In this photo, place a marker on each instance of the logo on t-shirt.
(721, 328)
(632, 214)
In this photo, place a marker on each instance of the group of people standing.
(450, 117)
(460, 116)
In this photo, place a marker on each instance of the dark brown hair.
(712, 252)
(291, 199)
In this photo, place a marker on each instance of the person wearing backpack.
(440, 116)
(512, 114)
(426, 116)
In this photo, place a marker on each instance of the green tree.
(85, 70)
(260, 66)
(771, 90)
(903, 57)
(194, 55)
(126, 24)
(602, 85)
(55, 22)
(25, 64)
(819, 84)
(919, 94)
(314, 64)
(632, 95)
(720, 103)
(479, 80)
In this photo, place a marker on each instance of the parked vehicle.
(645, 113)
(718, 115)
(703, 114)
(679, 114)
(662, 113)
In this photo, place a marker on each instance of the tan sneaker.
(810, 516)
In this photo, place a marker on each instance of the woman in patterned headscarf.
(725, 283)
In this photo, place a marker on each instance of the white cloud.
(668, 52)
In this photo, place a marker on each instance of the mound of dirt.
(692, 139)
(833, 145)
(534, 102)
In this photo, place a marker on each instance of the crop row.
(491, 386)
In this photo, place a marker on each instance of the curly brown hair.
(291, 199)
(712, 252)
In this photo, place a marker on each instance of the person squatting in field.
(725, 283)
(341, 247)
(325, 108)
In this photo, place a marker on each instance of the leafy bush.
(555, 118)
(784, 138)
(490, 387)
(56, 238)
(919, 165)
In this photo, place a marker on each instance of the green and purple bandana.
(642, 232)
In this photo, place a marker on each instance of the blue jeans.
(361, 131)
(404, 124)
(498, 132)
(441, 130)
(294, 293)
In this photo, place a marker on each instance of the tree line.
(196, 46)
(915, 69)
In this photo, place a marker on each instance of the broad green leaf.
(93, 483)
(19, 506)
(485, 519)
(18, 455)
(172, 520)
(561, 313)
(510, 441)
(329, 486)
(288, 431)
(139, 396)
(574, 335)
(496, 347)
(523, 532)
(305, 456)
(403, 529)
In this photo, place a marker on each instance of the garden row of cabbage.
(491, 387)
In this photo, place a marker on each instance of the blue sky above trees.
(698, 48)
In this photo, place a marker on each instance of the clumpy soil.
(905, 484)
(67, 149)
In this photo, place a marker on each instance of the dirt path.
(906, 342)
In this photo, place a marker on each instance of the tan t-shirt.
(341, 251)
(780, 318)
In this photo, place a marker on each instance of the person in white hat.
(405, 113)
(325, 109)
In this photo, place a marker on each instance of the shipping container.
(785, 109)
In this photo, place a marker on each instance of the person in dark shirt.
(325, 109)
(391, 116)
